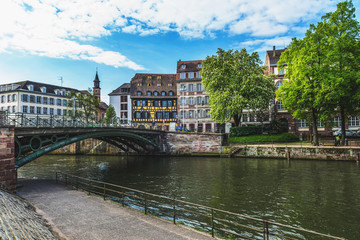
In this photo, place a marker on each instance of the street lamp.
(183, 89)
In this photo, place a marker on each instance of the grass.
(283, 137)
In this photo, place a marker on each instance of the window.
(25, 109)
(31, 87)
(57, 91)
(191, 87)
(206, 99)
(244, 118)
(182, 87)
(183, 66)
(198, 100)
(159, 84)
(45, 100)
(198, 75)
(9, 98)
(14, 97)
(353, 121)
(43, 89)
(38, 110)
(191, 114)
(251, 118)
(149, 84)
(182, 75)
(38, 99)
(278, 84)
(302, 123)
(156, 93)
(8, 109)
(191, 100)
(64, 102)
(166, 115)
(190, 74)
(337, 121)
(164, 103)
(280, 105)
(138, 115)
(199, 65)
(156, 103)
(3, 99)
(163, 93)
(123, 99)
(59, 112)
(158, 77)
(198, 87)
(149, 77)
(159, 115)
(148, 93)
(123, 106)
(182, 101)
(170, 85)
(45, 110)
(169, 103)
(24, 97)
(64, 112)
(174, 115)
(139, 84)
(207, 113)
(32, 98)
(171, 93)
(138, 93)
(138, 103)
(32, 109)
(319, 124)
(144, 102)
(13, 109)
(51, 101)
(51, 111)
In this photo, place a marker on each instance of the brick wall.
(7, 161)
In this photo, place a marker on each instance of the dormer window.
(183, 66)
(30, 87)
(199, 65)
(57, 91)
(158, 77)
(63, 92)
(149, 77)
(149, 84)
(139, 84)
(43, 89)
(159, 84)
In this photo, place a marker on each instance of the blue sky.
(43, 40)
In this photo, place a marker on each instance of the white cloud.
(56, 28)
(262, 45)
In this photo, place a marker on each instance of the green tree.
(306, 66)
(86, 106)
(343, 53)
(231, 79)
(110, 115)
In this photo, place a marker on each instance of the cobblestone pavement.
(18, 220)
(78, 215)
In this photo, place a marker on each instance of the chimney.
(273, 51)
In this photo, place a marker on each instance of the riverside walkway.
(77, 215)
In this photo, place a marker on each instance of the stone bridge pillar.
(8, 173)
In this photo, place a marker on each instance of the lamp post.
(74, 99)
(183, 89)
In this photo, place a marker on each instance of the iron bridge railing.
(41, 120)
(217, 222)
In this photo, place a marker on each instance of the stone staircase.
(18, 220)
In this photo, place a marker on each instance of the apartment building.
(121, 100)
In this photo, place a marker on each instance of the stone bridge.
(21, 145)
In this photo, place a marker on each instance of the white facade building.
(33, 98)
(120, 99)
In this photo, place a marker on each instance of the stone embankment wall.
(297, 152)
(7, 161)
(194, 143)
(173, 143)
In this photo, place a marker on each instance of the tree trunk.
(315, 131)
(343, 132)
(237, 120)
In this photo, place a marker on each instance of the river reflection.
(317, 195)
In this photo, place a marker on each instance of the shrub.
(245, 131)
(283, 137)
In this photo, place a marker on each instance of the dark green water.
(315, 195)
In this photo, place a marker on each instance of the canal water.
(316, 195)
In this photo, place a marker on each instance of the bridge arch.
(37, 146)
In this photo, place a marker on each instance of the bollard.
(288, 156)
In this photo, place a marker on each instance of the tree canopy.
(323, 70)
(86, 105)
(235, 81)
(110, 115)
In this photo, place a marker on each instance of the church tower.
(96, 88)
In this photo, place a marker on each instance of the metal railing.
(217, 222)
(41, 120)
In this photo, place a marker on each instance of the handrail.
(177, 208)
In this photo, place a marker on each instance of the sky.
(48, 40)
